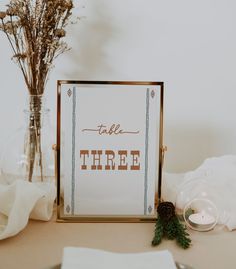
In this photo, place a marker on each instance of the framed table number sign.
(109, 150)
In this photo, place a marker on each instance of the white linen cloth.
(22, 200)
(220, 175)
(74, 258)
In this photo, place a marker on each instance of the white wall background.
(190, 45)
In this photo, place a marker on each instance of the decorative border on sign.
(73, 152)
(146, 151)
(146, 207)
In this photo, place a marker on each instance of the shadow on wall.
(88, 58)
(189, 146)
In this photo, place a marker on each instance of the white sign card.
(109, 141)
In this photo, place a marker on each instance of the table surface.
(40, 245)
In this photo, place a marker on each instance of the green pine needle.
(182, 237)
(170, 230)
(159, 232)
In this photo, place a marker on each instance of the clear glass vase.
(28, 154)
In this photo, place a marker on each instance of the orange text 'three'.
(110, 160)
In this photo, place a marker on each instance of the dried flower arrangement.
(34, 29)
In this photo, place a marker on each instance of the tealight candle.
(202, 221)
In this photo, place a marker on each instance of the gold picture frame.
(104, 147)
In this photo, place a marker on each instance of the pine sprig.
(169, 226)
(171, 230)
(159, 232)
(182, 237)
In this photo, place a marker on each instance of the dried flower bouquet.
(34, 29)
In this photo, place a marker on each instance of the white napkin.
(74, 258)
(22, 200)
(220, 175)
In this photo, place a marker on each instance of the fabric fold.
(22, 200)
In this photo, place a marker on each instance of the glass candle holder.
(198, 204)
(201, 214)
